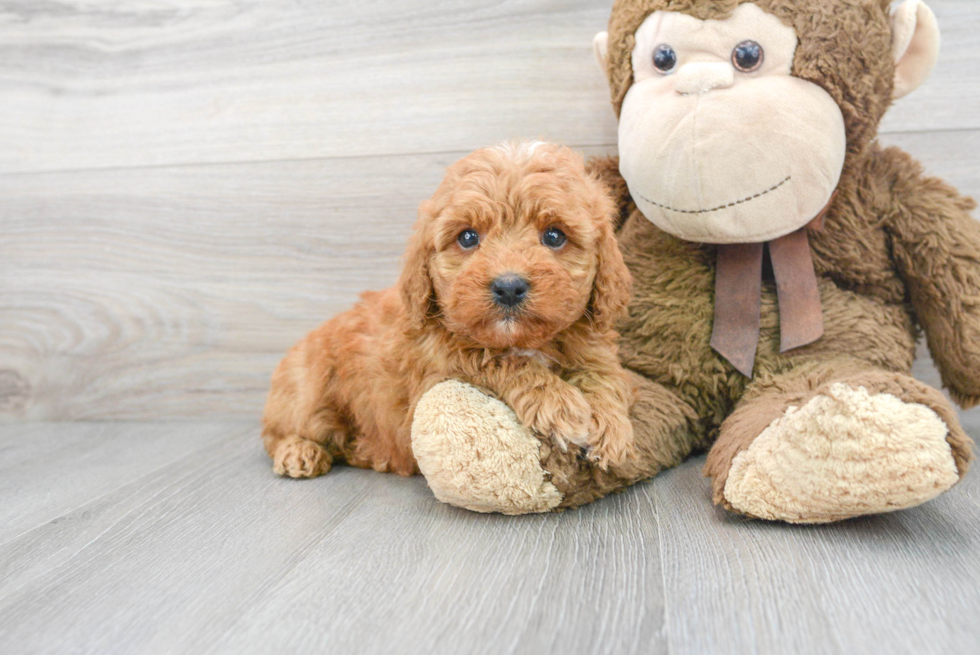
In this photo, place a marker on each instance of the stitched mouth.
(719, 207)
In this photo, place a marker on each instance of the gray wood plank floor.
(182, 540)
(189, 186)
(211, 552)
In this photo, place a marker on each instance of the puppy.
(512, 282)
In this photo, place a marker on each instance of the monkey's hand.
(936, 246)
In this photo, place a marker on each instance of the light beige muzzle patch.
(475, 454)
(848, 453)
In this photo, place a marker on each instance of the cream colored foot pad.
(475, 454)
(844, 454)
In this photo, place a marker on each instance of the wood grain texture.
(897, 583)
(188, 187)
(209, 552)
(213, 553)
(174, 292)
(144, 290)
(146, 83)
(77, 463)
(148, 293)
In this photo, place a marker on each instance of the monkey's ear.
(600, 46)
(915, 45)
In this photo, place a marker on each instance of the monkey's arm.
(937, 250)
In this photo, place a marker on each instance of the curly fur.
(348, 391)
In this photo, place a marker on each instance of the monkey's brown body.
(834, 429)
(666, 336)
(869, 316)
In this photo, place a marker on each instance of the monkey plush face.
(718, 142)
(737, 117)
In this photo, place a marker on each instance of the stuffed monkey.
(784, 264)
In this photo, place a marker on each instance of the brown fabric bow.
(738, 296)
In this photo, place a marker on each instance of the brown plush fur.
(899, 254)
(348, 391)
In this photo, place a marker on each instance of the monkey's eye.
(664, 58)
(468, 239)
(553, 238)
(747, 56)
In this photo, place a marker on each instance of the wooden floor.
(176, 537)
(187, 187)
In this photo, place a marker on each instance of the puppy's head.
(515, 246)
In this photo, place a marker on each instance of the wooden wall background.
(189, 186)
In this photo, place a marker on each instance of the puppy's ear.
(415, 284)
(613, 283)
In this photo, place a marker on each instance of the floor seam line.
(113, 490)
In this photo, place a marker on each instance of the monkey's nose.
(702, 77)
(509, 290)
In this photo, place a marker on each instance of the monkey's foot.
(475, 454)
(845, 453)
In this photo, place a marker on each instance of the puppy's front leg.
(607, 389)
(542, 400)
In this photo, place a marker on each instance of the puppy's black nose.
(509, 290)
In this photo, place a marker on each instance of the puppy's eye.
(553, 238)
(468, 239)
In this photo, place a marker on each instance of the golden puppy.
(512, 282)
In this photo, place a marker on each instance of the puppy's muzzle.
(509, 290)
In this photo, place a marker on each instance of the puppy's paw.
(560, 412)
(611, 436)
(300, 458)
